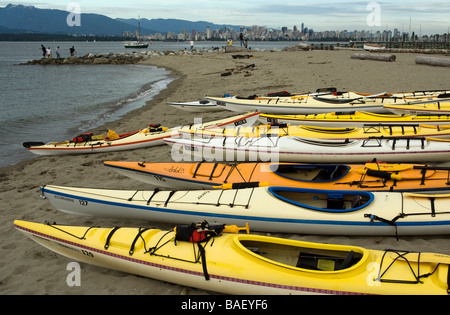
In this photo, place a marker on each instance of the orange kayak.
(370, 176)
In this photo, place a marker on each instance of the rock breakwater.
(114, 58)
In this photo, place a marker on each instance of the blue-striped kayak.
(271, 209)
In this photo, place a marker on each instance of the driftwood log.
(378, 57)
(433, 61)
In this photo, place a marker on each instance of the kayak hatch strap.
(249, 198)
(220, 196)
(203, 255)
(168, 198)
(157, 190)
(366, 142)
(153, 250)
(233, 166)
(433, 207)
(197, 168)
(78, 237)
(131, 198)
(401, 255)
(213, 170)
(424, 172)
(383, 176)
(139, 235)
(110, 235)
(374, 217)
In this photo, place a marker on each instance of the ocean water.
(56, 103)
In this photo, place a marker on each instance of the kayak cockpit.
(310, 172)
(320, 258)
(335, 201)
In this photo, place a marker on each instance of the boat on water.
(138, 44)
(441, 107)
(354, 119)
(374, 176)
(246, 264)
(153, 135)
(363, 132)
(304, 150)
(267, 209)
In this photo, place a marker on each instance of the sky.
(423, 17)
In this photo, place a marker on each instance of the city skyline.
(407, 16)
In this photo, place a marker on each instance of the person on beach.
(192, 44)
(58, 55)
(241, 37)
(72, 51)
(44, 51)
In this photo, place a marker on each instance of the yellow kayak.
(216, 258)
(355, 119)
(431, 108)
(364, 132)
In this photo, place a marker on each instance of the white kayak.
(304, 105)
(147, 137)
(268, 209)
(197, 107)
(296, 149)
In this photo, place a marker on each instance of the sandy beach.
(28, 268)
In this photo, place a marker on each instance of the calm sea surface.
(55, 103)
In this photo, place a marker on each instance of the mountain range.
(20, 19)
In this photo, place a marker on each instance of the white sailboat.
(139, 43)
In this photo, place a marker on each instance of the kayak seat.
(331, 174)
(325, 263)
(335, 201)
(347, 262)
(357, 201)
